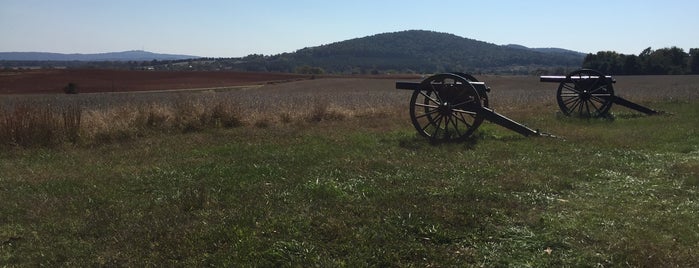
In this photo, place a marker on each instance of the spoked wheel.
(587, 93)
(446, 107)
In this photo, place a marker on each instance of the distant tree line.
(198, 64)
(674, 61)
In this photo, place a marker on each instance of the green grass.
(363, 192)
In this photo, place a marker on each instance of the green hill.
(412, 51)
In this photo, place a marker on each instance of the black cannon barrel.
(408, 85)
(480, 86)
(570, 79)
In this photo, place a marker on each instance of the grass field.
(329, 172)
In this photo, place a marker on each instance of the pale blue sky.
(233, 28)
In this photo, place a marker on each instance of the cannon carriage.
(451, 106)
(589, 94)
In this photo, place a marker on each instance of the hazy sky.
(233, 28)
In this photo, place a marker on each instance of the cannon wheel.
(445, 108)
(587, 93)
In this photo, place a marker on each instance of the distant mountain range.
(548, 50)
(132, 55)
(415, 51)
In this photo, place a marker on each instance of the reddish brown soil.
(53, 81)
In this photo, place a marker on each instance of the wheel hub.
(585, 95)
(445, 109)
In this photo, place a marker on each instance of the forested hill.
(413, 51)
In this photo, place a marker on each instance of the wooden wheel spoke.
(436, 94)
(597, 80)
(570, 95)
(571, 88)
(599, 88)
(426, 105)
(573, 106)
(464, 102)
(463, 120)
(428, 97)
(597, 109)
(599, 100)
(456, 126)
(585, 108)
(464, 112)
(579, 106)
(426, 114)
(432, 122)
(570, 100)
(437, 126)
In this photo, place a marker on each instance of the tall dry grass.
(45, 121)
(33, 124)
(28, 124)
(25, 125)
(128, 121)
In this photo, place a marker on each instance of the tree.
(663, 61)
(668, 61)
(631, 65)
(71, 88)
(644, 60)
(608, 62)
(693, 61)
(309, 70)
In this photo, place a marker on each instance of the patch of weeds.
(286, 117)
(688, 172)
(292, 253)
(263, 122)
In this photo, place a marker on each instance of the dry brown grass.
(53, 119)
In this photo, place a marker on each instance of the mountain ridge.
(130, 55)
(410, 51)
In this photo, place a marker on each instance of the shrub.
(71, 88)
(225, 114)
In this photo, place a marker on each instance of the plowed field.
(91, 81)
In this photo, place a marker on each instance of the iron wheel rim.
(445, 108)
(586, 93)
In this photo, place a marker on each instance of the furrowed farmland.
(247, 169)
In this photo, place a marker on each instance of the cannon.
(590, 94)
(451, 106)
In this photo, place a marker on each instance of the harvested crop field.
(91, 81)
